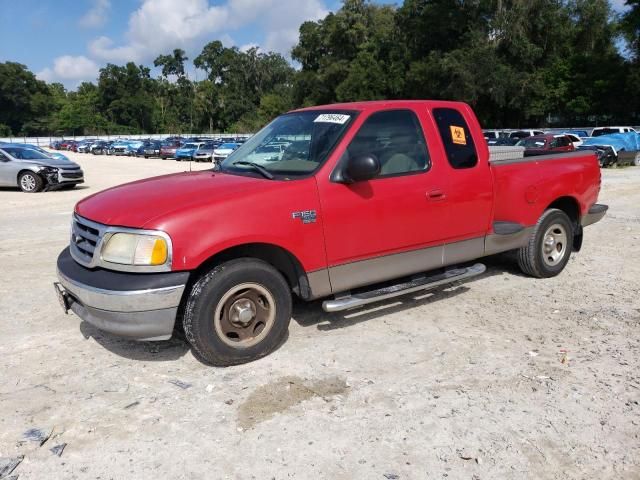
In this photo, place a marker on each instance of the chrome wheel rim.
(554, 245)
(245, 315)
(28, 183)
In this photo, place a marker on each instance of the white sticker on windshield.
(332, 118)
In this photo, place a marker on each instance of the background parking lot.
(501, 377)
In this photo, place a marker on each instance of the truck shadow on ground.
(163, 351)
(308, 314)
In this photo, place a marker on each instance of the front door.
(392, 225)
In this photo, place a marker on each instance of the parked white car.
(576, 140)
(223, 151)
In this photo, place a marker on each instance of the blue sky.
(69, 40)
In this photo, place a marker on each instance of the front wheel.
(238, 312)
(549, 247)
(30, 182)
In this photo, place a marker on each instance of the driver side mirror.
(362, 168)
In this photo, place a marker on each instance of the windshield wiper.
(259, 168)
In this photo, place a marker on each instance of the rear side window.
(456, 137)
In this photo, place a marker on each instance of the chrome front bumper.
(137, 313)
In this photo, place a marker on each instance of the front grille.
(85, 237)
(72, 174)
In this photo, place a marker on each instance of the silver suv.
(34, 171)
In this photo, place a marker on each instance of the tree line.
(517, 62)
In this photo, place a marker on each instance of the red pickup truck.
(351, 202)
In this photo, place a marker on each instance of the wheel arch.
(27, 169)
(278, 257)
(571, 207)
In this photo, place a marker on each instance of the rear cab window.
(456, 138)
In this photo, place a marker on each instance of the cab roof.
(384, 104)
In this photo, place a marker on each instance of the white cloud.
(103, 48)
(70, 70)
(158, 26)
(619, 5)
(248, 46)
(97, 14)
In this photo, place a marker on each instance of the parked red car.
(168, 149)
(546, 144)
(354, 195)
(65, 144)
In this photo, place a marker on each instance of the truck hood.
(137, 204)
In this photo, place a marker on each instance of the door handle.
(436, 195)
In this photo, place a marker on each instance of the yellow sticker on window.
(458, 136)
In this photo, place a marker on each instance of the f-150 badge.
(307, 216)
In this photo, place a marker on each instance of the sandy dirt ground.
(502, 377)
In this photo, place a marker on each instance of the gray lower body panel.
(151, 325)
(495, 243)
(342, 278)
(379, 269)
(136, 314)
(594, 215)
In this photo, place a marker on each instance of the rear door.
(469, 191)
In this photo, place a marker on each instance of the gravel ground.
(502, 377)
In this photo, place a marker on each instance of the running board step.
(344, 303)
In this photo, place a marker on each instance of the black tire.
(30, 182)
(532, 258)
(208, 295)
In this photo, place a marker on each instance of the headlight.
(136, 249)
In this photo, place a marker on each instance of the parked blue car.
(187, 150)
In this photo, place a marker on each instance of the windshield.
(294, 144)
(190, 145)
(25, 153)
(531, 143)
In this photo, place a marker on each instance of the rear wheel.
(238, 312)
(30, 182)
(549, 247)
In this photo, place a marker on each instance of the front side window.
(293, 145)
(396, 139)
(456, 138)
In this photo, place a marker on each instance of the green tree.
(25, 101)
